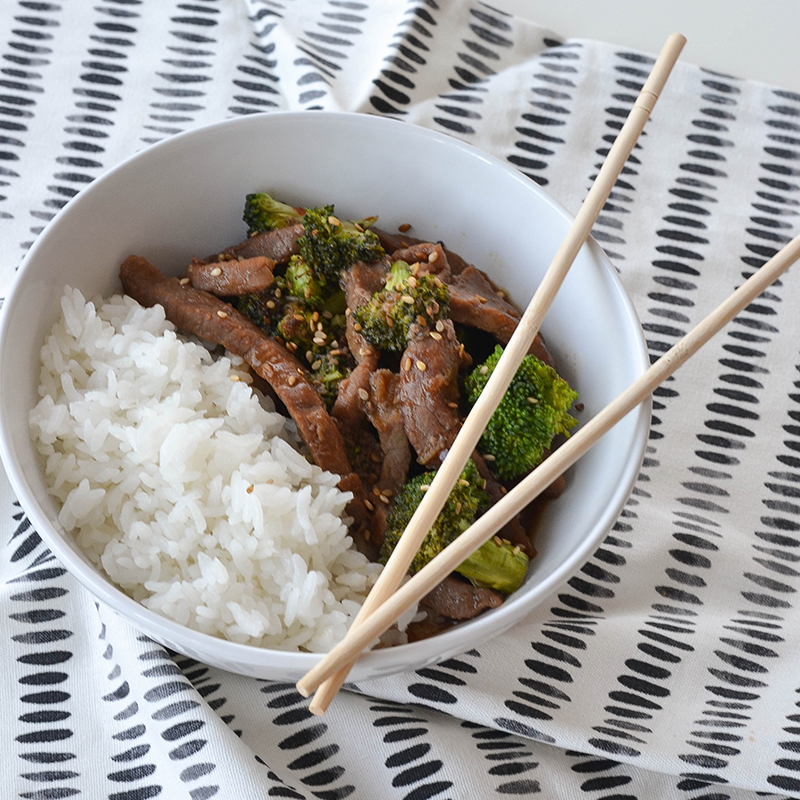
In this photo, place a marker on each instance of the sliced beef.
(384, 413)
(431, 258)
(474, 301)
(359, 283)
(429, 391)
(278, 245)
(232, 277)
(458, 599)
(392, 242)
(215, 321)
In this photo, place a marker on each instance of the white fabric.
(668, 666)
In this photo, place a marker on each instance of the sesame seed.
(424, 487)
(250, 488)
(364, 351)
(309, 355)
(516, 551)
(415, 268)
(463, 481)
(357, 327)
(277, 293)
(407, 364)
(298, 317)
(315, 316)
(437, 280)
(532, 400)
(389, 322)
(421, 365)
(327, 314)
(216, 271)
(387, 492)
(452, 404)
(235, 378)
(367, 535)
(369, 505)
(222, 314)
(319, 325)
(383, 499)
(316, 365)
(480, 298)
(439, 325)
(412, 282)
(358, 227)
(348, 311)
(489, 457)
(407, 298)
(270, 304)
(404, 227)
(422, 321)
(436, 336)
(458, 508)
(334, 220)
(363, 394)
(502, 293)
(497, 541)
(376, 491)
(483, 370)
(221, 257)
(292, 380)
(434, 256)
(334, 343)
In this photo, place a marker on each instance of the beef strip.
(279, 245)
(428, 391)
(218, 322)
(474, 301)
(431, 258)
(455, 598)
(232, 277)
(392, 242)
(349, 408)
(384, 413)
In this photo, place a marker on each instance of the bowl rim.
(375, 662)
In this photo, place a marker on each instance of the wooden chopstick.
(519, 344)
(560, 460)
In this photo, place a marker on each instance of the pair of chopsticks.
(322, 678)
(386, 602)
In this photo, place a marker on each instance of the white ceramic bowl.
(184, 197)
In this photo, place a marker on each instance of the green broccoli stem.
(496, 566)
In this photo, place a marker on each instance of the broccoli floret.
(302, 282)
(262, 308)
(330, 246)
(404, 299)
(264, 213)
(534, 410)
(493, 565)
(326, 371)
(496, 564)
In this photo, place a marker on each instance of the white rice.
(181, 482)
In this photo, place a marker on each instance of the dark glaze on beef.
(474, 301)
(278, 245)
(457, 599)
(232, 277)
(429, 391)
(218, 322)
(392, 242)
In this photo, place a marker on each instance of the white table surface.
(744, 38)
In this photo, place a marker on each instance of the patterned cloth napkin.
(668, 667)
